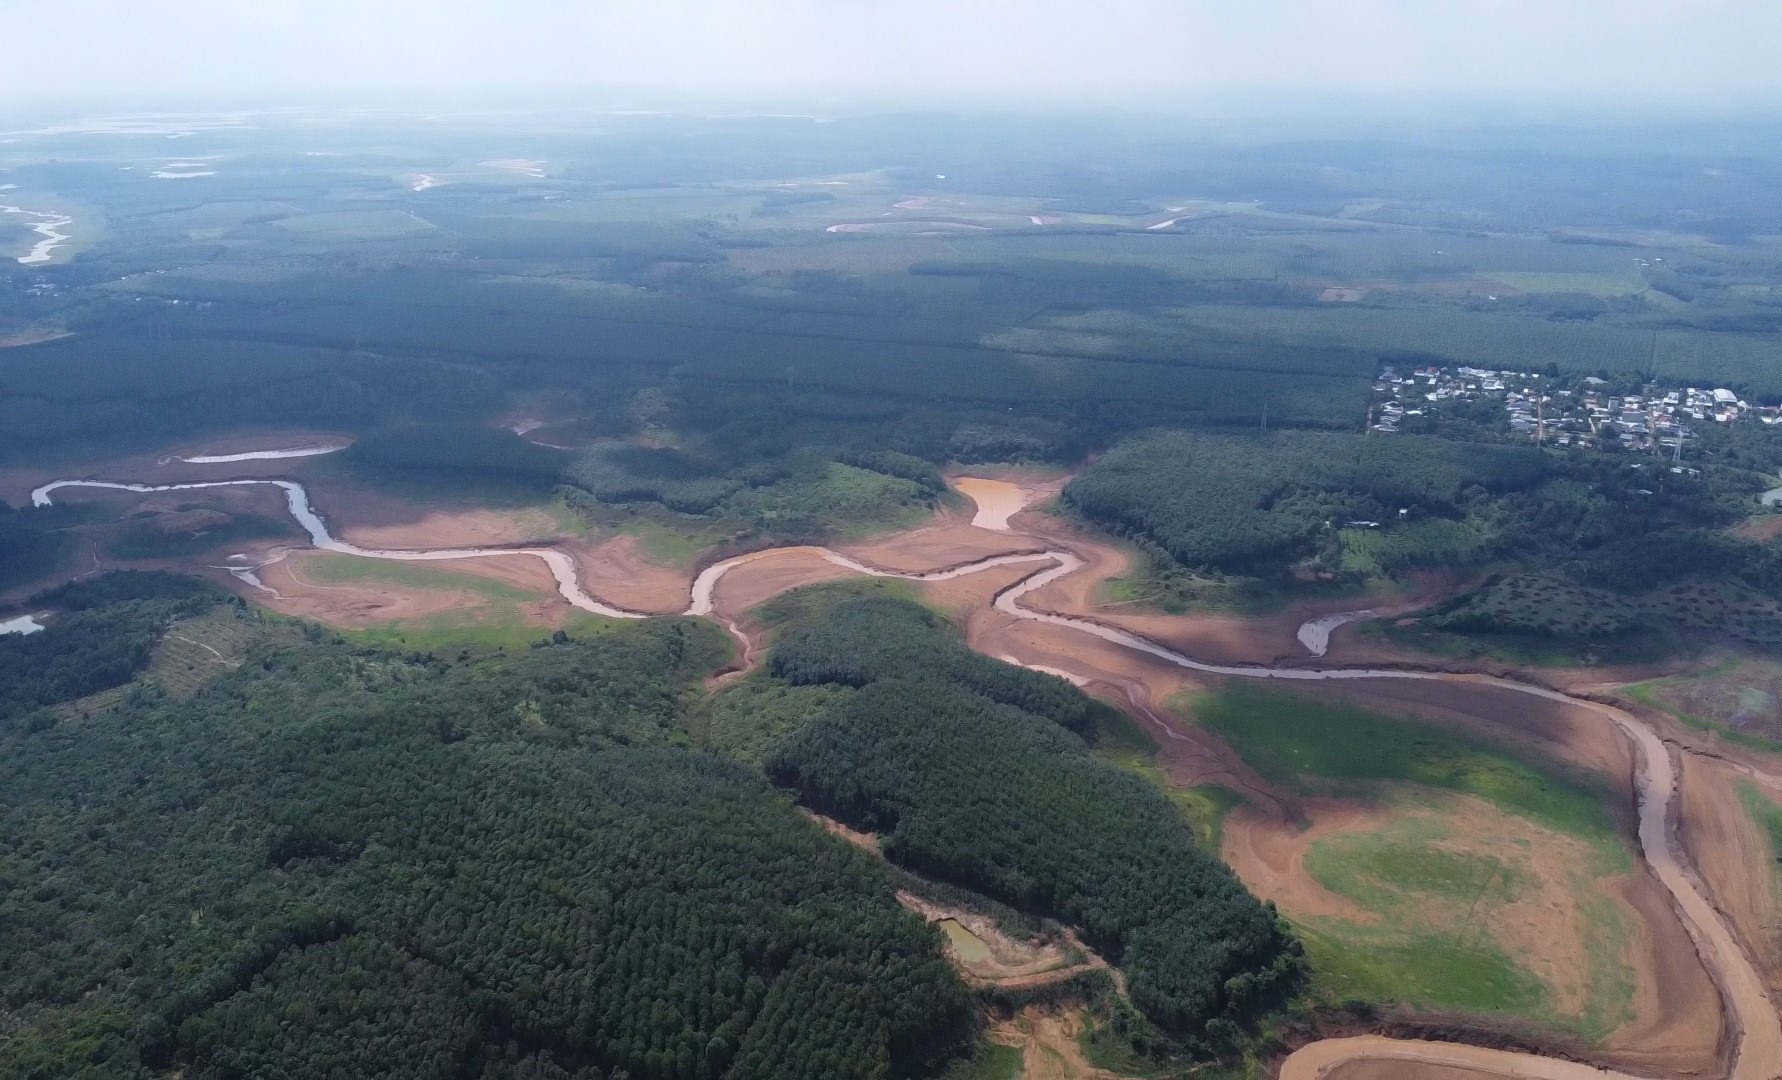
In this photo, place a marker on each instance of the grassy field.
(1120, 741)
(1429, 542)
(1323, 747)
(1480, 878)
(992, 1061)
(1460, 892)
(1734, 697)
(494, 620)
(1768, 815)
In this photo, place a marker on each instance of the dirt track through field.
(1750, 1017)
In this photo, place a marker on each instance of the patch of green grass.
(663, 536)
(334, 568)
(1358, 865)
(1657, 693)
(670, 546)
(1432, 946)
(494, 622)
(809, 603)
(1429, 542)
(472, 629)
(990, 1061)
(1424, 890)
(1308, 743)
(749, 717)
(1433, 971)
(1120, 741)
(1768, 815)
(567, 521)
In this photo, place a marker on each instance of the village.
(1556, 410)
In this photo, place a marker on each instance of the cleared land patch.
(1437, 871)
(1477, 910)
(190, 653)
(404, 605)
(1740, 697)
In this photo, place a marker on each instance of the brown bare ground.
(374, 519)
(1397, 1069)
(1049, 1047)
(353, 605)
(357, 604)
(947, 541)
(865, 841)
(1762, 529)
(769, 573)
(616, 571)
(1679, 1025)
(1732, 858)
(1269, 854)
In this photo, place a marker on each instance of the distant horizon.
(1343, 115)
(1621, 55)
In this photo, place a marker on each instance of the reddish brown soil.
(352, 606)
(1762, 529)
(1731, 854)
(1269, 855)
(1679, 1026)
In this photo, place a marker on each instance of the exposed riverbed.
(1751, 1018)
(49, 226)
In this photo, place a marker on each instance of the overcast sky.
(1154, 52)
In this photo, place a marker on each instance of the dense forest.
(28, 550)
(99, 638)
(976, 774)
(518, 864)
(1258, 502)
(1352, 506)
(502, 865)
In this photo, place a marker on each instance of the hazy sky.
(1165, 52)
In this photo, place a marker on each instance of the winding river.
(48, 225)
(1752, 1019)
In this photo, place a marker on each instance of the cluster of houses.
(1561, 412)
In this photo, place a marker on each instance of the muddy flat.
(1678, 1023)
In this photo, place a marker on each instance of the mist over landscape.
(884, 539)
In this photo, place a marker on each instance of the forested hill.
(99, 639)
(1253, 507)
(972, 771)
(335, 861)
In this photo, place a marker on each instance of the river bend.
(1758, 1052)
